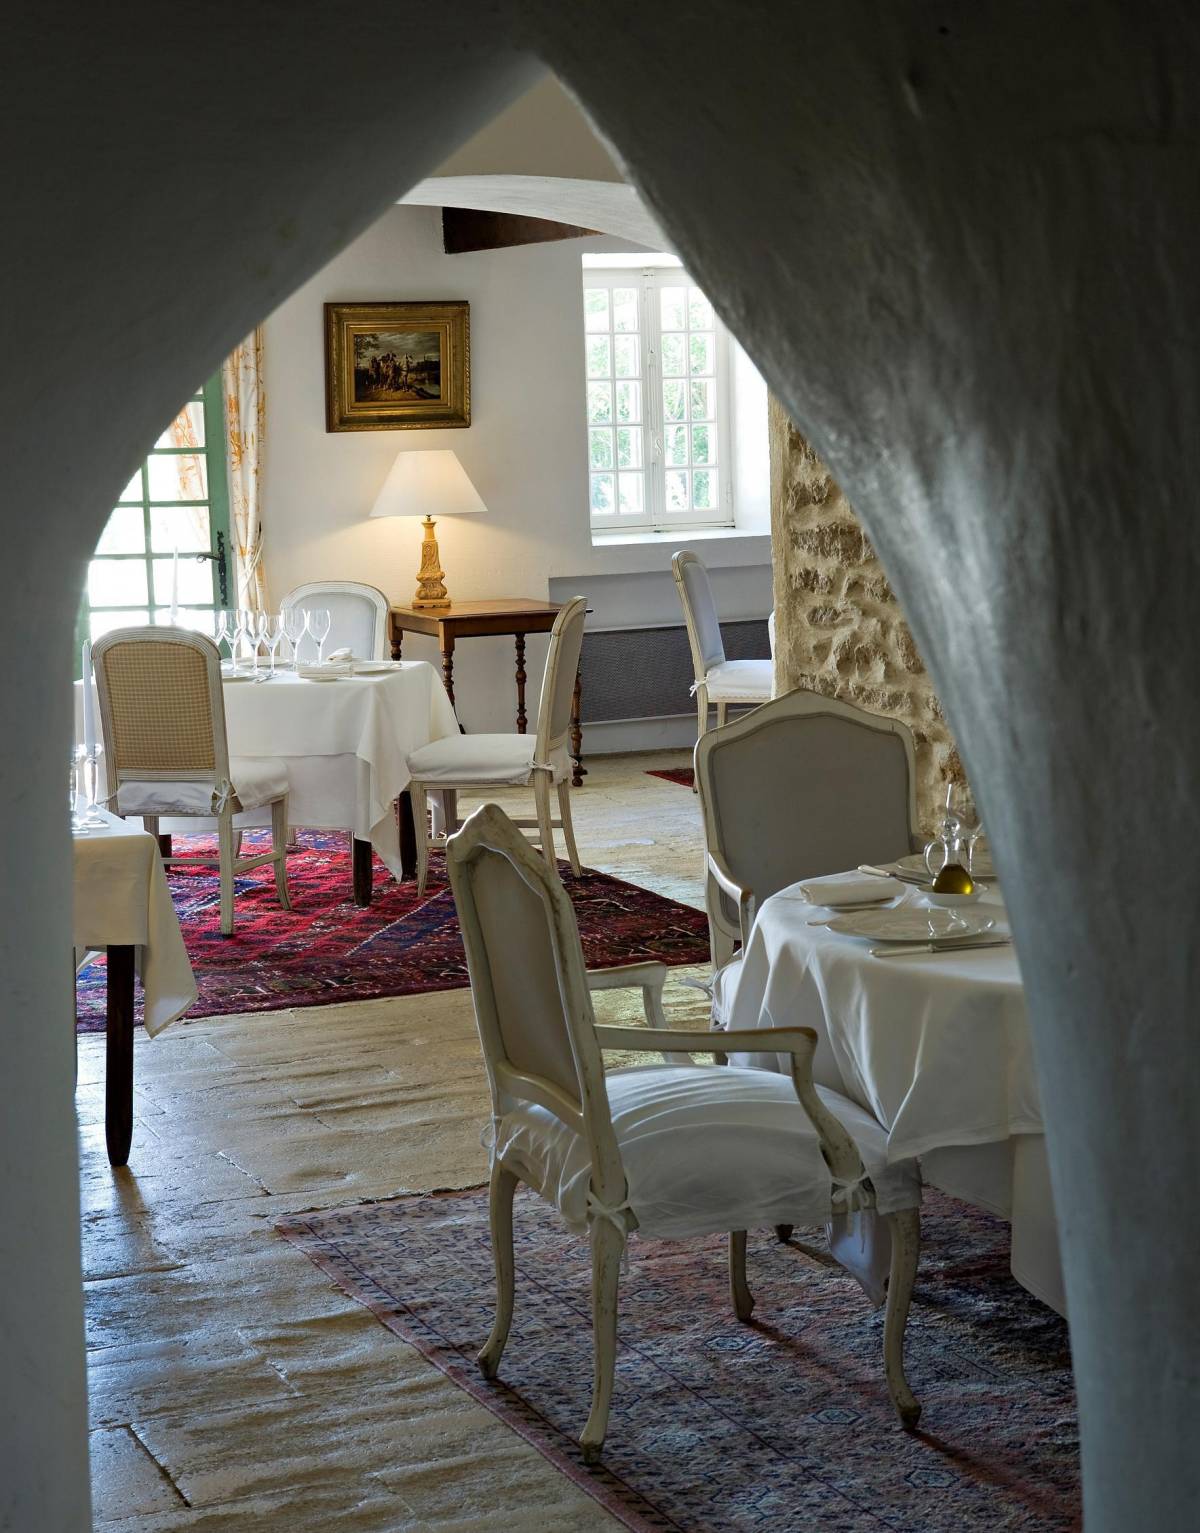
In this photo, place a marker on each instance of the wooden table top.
(501, 606)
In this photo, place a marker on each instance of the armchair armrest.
(728, 885)
(628, 976)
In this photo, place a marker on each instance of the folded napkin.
(335, 655)
(330, 668)
(843, 889)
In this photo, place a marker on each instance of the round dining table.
(935, 1045)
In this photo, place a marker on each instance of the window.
(169, 536)
(658, 414)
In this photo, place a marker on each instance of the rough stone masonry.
(838, 626)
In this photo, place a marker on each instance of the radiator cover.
(646, 673)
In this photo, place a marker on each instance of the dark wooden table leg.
(164, 846)
(363, 872)
(118, 1064)
(578, 770)
(397, 643)
(408, 835)
(448, 667)
(521, 679)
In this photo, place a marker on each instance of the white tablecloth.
(936, 1047)
(121, 898)
(345, 744)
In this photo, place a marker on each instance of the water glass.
(224, 630)
(93, 819)
(241, 625)
(295, 621)
(73, 791)
(319, 621)
(272, 633)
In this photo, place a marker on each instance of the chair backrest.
(358, 615)
(699, 613)
(529, 986)
(805, 785)
(162, 712)
(558, 679)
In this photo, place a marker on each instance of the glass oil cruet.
(946, 856)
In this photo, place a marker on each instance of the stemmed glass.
(93, 819)
(254, 633)
(241, 624)
(223, 632)
(295, 620)
(272, 633)
(319, 621)
(76, 823)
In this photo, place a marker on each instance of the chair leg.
(739, 1290)
(450, 810)
(279, 846)
(721, 715)
(541, 797)
(568, 827)
(225, 858)
(420, 815)
(905, 1228)
(504, 1184)
(607, 1244)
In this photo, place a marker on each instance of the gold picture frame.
(397, 366)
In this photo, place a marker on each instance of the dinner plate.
(236, 676)
(908, 923)
(375, 667)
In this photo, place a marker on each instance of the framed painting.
(395, 366)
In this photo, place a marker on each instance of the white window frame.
(655, 516)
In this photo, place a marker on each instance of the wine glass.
(254, 632)
(241, 623)
(295, 621)
(93, 819)
(319, 621)
(73, 792)
(272, 633)
(223, 630)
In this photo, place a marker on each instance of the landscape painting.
(394, 366)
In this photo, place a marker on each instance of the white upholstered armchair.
(802, 786)
(539, 761)
(673, 1150)
(718, 682)
(162, 714)
(358, 615)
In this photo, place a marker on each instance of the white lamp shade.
(427, 484)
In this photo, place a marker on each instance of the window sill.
(617, 537)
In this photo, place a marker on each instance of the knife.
(949, 946)
(901, 877)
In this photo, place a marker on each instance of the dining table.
(936, 1045)
(344, 734)
(122, 908)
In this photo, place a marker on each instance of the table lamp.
(428, 484)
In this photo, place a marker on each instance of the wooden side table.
(516, 615)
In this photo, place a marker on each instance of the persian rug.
(684, 776)
(719, 1427)
(330, 949)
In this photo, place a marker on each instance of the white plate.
(325, 676)
(908, 923)
(375, 667)
(236, 676)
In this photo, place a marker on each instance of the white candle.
(89, 715)
(175, 584)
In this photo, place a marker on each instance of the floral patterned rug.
(717, 1427)
(684, 776)
(328, 949)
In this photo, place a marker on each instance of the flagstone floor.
(231, 1386)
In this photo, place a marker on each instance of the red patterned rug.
(717, 1427)
(329, 949)
(684, 776)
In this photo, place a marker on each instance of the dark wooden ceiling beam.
(466, 229)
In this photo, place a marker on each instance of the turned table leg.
(363, 871)
(448, 667)
(521, 679)
(397, 643)
(118, 1064)
(578, 770)
(408, 835)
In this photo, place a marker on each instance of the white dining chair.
(801, 786)
(358, 615)
(162, 716)
(718, 682)
(539, 761)
(670, 1150)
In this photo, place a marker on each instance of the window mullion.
(653, 430)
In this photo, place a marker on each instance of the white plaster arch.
(609, 207)
(960, 244)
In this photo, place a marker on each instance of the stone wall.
(838, 627)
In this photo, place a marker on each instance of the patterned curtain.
(245, 413)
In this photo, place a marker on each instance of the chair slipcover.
(256, 780)
(740, 681)
(498, 759)
(705, 1149)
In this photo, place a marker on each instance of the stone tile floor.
(231, 1386)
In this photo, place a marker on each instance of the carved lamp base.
(431, 588)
